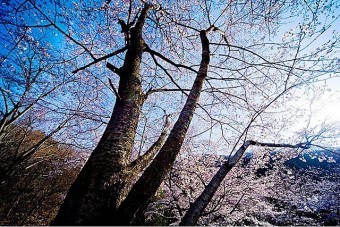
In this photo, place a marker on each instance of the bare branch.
(60, 30)
(151, 91)
(114, 89)
(101, 59)
(155, 53)
(142, 161)
(114, 68)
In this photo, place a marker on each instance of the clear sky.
(325, 107)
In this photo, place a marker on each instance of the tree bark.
(196, 209)
(103, 178)
(137, 199)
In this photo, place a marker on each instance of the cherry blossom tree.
(225, 66)
(288, 69)
(38, 92)
(196, 209)
(265, 187)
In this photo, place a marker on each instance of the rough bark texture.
(103, 178)
(137, 199)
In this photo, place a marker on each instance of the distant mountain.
(324, 160)
(320, 159)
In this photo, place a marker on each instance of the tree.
(38, 185)
(251, 74)
(266, 187)
(37, 92)
(28, 82)
(197, 208)
(149, 182)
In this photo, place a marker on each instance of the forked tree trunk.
(147, 185)
(103, 179)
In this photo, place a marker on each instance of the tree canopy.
(137, 83)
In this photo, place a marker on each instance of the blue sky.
(327, 105)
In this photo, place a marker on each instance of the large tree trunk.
(137, 199)
(103, 178)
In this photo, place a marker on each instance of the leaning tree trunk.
(103, 178)
(196, 209)
(147, 185)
